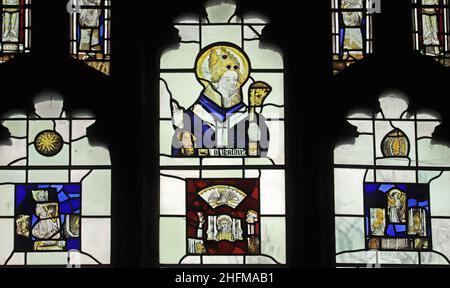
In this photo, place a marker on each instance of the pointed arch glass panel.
(222, 162)
(55, 189)
(391, 189)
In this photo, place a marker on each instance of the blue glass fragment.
(65, 208)
(386, 187)
(34, 219)
(390, 230)
(423, 204)
(57, 187)
(62, 197)
(367, 226)
(401, 187)
(21, 192)
(369, 187)
(73, 244)
(76, 203)
(400, 228)
(72, 188)
(412, 202)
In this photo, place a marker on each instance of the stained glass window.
(15, 29)
(431, 29)
(90, 34)
(222, 182)
(392, 189)
(351, 32)
(55, 189)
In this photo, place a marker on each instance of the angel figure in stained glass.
(396, 206)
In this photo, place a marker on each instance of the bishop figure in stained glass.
(219, 123)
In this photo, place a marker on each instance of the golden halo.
(218, 58)
(394, 192)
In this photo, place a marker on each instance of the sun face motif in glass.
(48, 143)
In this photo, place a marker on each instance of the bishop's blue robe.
(204, 117)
